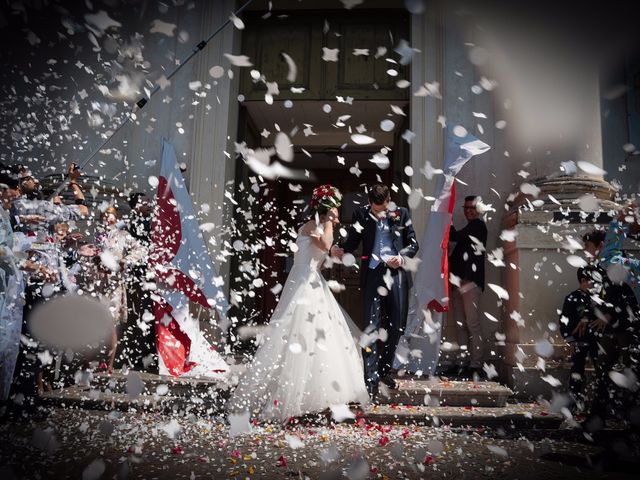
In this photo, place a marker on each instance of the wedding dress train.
(310, 359)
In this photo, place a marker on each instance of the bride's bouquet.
(326, 197)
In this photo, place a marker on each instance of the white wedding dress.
(310, 359)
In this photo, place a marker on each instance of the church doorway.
(334, 101)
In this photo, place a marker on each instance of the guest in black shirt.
(138, 346)
(578, 313)
(466, 266)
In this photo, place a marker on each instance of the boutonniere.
(395, 216)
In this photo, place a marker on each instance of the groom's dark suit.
(365, 227)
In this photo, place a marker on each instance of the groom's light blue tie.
(382, 244)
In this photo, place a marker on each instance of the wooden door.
(352, 189)
(361, 41)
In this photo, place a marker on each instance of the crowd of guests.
(44, 254)
(600, 322)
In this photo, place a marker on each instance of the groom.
(387, 240)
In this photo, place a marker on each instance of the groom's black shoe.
(390, 382)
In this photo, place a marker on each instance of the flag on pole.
(419, 347)
(184, 273)
(432, 278)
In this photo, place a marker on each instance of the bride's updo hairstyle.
(324, 198)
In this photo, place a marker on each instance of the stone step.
(510, 416)
(530, 383)
(116, 382)
(436, 392)
(158, 389)
(94, 399)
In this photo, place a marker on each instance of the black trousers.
(378, 301)
(578, 363)
(28, 365)
(611, 348)
(137, 347)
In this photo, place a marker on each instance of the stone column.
(538, 276)
(215, 122)
(589, 145)
(427, 35)
(212, 164)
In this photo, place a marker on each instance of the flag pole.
(140, 104)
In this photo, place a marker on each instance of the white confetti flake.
(576, 261)
(551, 380)
(348, 260)
(341, 413)
(360, 139)
(405, 51)
(238, 60)
(283, 146)
(293, 69)
(491, 317)
(164, 28)
(530, 189)
(590, 168)
(216, 71)
(490, 370)
(589, 203)
(172, 428)
(110, 261)
(569, 167)
(330, 54)
(387, 125)
(101, 22)
(355, 169)
(627, 379)
(501, 292)
(544, 348)
(460, 131)
(335, 286)
(380, 160)
(398, 110)
(293, 442)
(295, 348)
(508, 235)
(237, 22)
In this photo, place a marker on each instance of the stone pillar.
(538, 276)
(212, 164)
(215, 123)
(427, 35)
(589, 145)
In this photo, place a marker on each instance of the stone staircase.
(446, 393)
(143, 391)
(428, 402)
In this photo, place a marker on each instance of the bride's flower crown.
(326, 196)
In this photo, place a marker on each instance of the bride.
(309, 360)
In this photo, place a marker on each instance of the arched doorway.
(319, 110)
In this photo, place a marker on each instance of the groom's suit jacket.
(363, 229)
